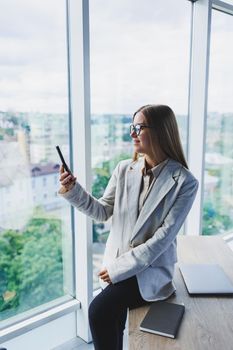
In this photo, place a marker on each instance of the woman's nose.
(133, 134)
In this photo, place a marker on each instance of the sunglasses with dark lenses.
(138, 127)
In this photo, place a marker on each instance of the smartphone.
(62, 159)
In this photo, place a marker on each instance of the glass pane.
(35, 229)
(139, 55)
(218, 196)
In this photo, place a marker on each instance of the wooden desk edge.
(192, 249)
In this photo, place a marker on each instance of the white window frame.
(198, 100)
(71, 323)
(222, 6)
(79, 62)
(198, 85)
(70, 319)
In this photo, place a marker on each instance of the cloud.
(139, 63)
(33, 60)
(31, 19)
(139, 54)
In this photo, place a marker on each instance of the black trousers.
(108, 313)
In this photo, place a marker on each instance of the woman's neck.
(151, 163)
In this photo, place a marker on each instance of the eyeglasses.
(138, 127)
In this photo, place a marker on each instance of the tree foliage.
(214, 222)
(102, 175)
(31, 268)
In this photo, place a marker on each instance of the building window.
(34, 116)
(44, 181)
(218, 179)
(139, 55)
(55, 179)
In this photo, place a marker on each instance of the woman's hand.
(67, 180)
(105, 276)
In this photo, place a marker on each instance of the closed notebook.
(163, 318)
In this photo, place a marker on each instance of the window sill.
(228, 238)
(21, 327)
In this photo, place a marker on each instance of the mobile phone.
(62, 159)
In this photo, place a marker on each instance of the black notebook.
(163, 318)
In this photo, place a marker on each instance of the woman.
(148, 199)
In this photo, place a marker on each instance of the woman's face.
(142, 141)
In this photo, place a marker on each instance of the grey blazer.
(143, 245)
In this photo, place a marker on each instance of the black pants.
(108, 313)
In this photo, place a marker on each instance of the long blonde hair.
(165, 133)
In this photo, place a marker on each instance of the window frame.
(79, 66)
(198, 100)
(198, 87)
(79, 114)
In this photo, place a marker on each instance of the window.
(35, 266)
(218, 202)
(139, 54)
(55, 180)
(44, 181)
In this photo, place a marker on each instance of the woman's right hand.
(67, 180)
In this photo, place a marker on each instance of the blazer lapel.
(134, 178)
(166, 180)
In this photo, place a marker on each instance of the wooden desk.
(208, 321)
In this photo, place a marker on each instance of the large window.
(35, 232)
(218, 195)
(139, 55)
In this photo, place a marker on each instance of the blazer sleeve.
(98, 209)
(140, 257)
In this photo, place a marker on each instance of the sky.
(139, 54)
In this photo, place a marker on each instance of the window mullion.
(223, 7)
(78, 19)
(198, 105)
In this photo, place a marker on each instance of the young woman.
(148, 198)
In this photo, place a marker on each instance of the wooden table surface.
(208, 321)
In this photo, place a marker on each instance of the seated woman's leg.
(108, 312)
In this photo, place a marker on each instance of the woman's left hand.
(105, 276)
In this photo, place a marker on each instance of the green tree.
(102, 175)
(213, 222)
(103, 172)
(126, 137)
(31, 268)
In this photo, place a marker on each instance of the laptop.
(206, 279)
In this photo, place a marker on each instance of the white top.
(149, 177)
